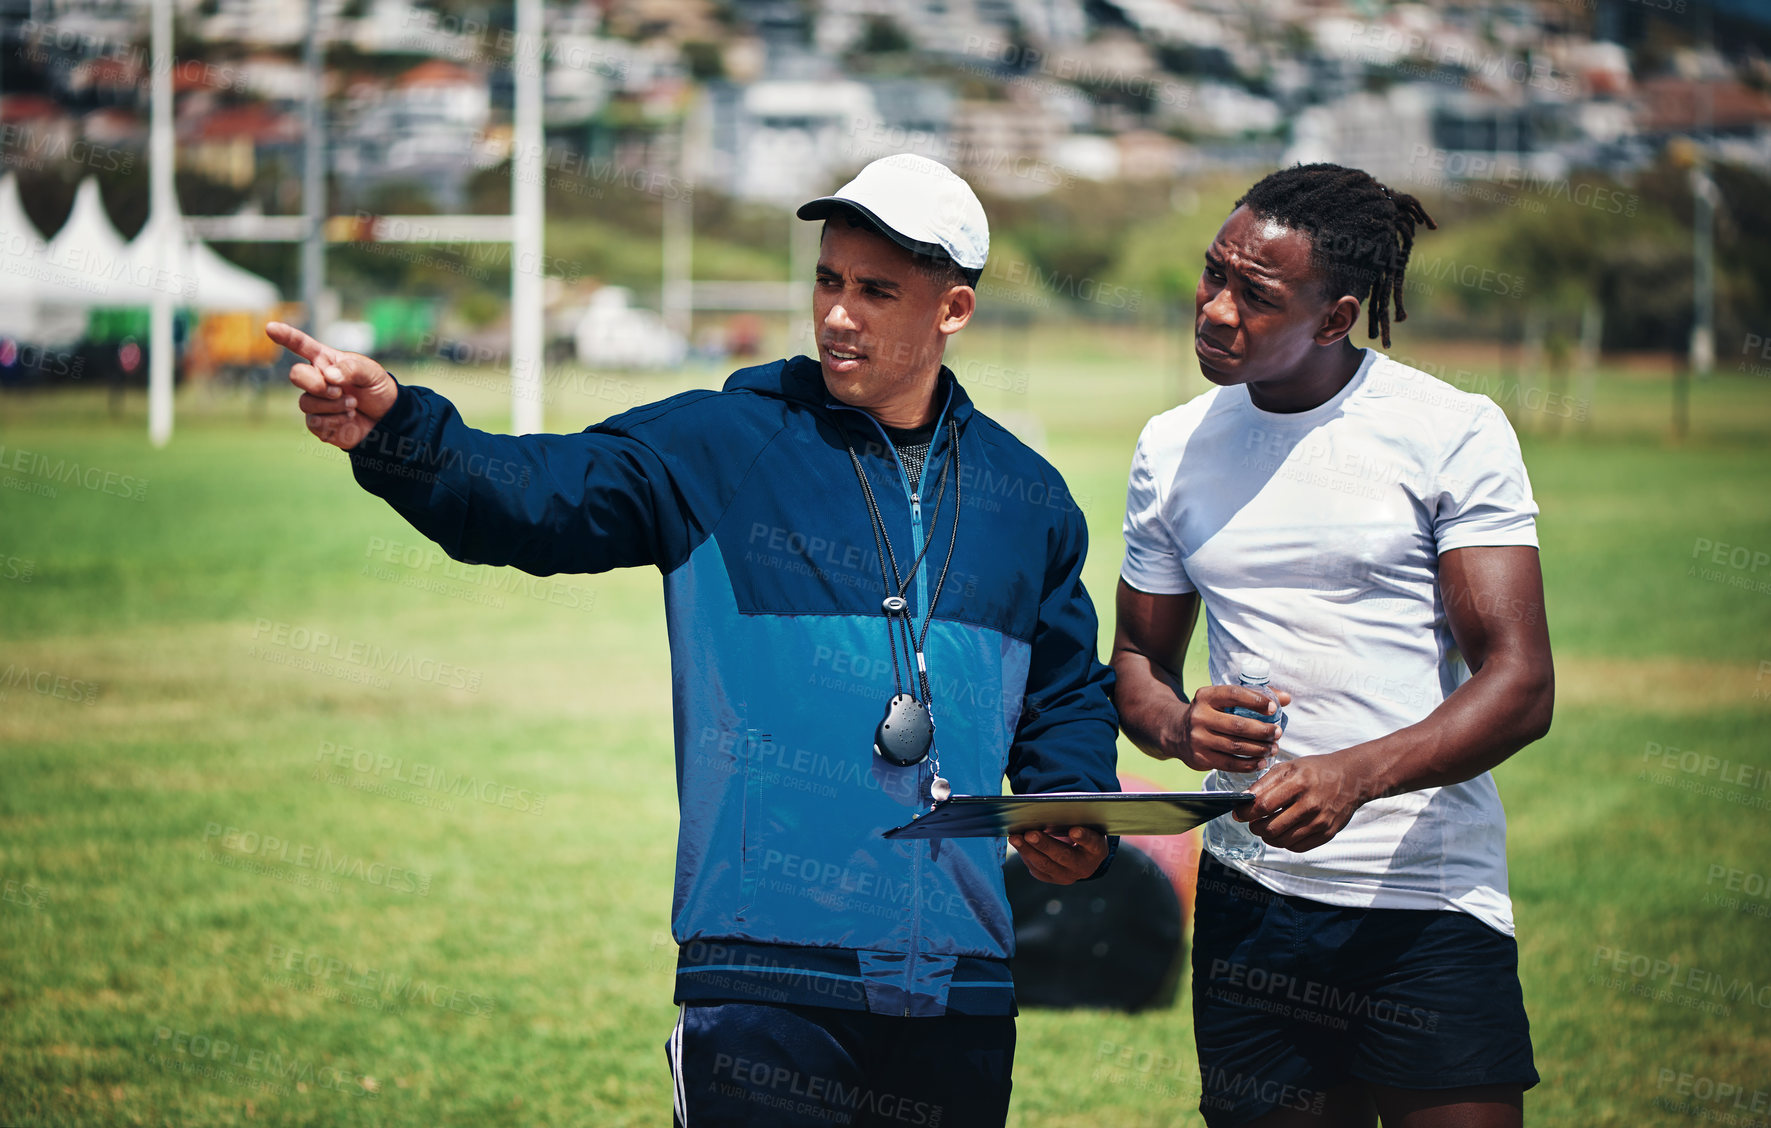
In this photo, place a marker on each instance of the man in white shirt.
(1370, 532)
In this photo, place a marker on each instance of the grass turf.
(501, 955)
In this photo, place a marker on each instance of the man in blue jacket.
(874, 597)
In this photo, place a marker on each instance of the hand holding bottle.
(1208, 734)
(1226, 836)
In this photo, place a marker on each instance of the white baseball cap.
(919, 204)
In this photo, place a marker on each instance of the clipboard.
(1111, 812)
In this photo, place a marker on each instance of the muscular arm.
(1495, 607)
(1150, 637)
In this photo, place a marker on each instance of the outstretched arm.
(543, 503)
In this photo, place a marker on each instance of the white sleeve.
(1484, 496)
(1152, 559)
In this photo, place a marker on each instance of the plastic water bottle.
(1230, 840)
(1255, 675)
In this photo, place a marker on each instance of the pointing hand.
(343, 394)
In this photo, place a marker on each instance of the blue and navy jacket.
(747, 501)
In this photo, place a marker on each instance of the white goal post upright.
(161, 212)
(528, 292)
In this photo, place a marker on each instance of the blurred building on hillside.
(986, 85)
(422, 130)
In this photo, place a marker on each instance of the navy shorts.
(1293, 998)
(816, 1067)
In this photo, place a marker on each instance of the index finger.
(1223, 698)
(1241, 695)
(300, 343)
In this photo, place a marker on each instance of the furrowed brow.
(1258, 278)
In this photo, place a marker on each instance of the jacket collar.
(801, 380)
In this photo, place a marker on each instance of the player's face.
(1259, 310)
(881, 322)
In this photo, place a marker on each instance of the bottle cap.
(1256, 669)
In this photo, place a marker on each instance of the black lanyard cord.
(881, 551)
(898, 583)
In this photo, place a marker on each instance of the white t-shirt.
(1314, 539)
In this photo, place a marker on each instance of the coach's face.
(1261, 311)
(882, 323)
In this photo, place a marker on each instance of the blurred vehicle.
(613, 333)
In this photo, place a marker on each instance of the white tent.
(221, 285)
(196, 275)
(28, 283)
(16, 228)
(87, 263)
(46, 286)
(18, 237)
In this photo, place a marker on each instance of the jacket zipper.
(922, 595)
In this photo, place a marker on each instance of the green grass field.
(502, 957)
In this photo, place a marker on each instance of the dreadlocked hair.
(1360, 232)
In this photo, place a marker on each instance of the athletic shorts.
(785, 1066)
(1293, 998)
